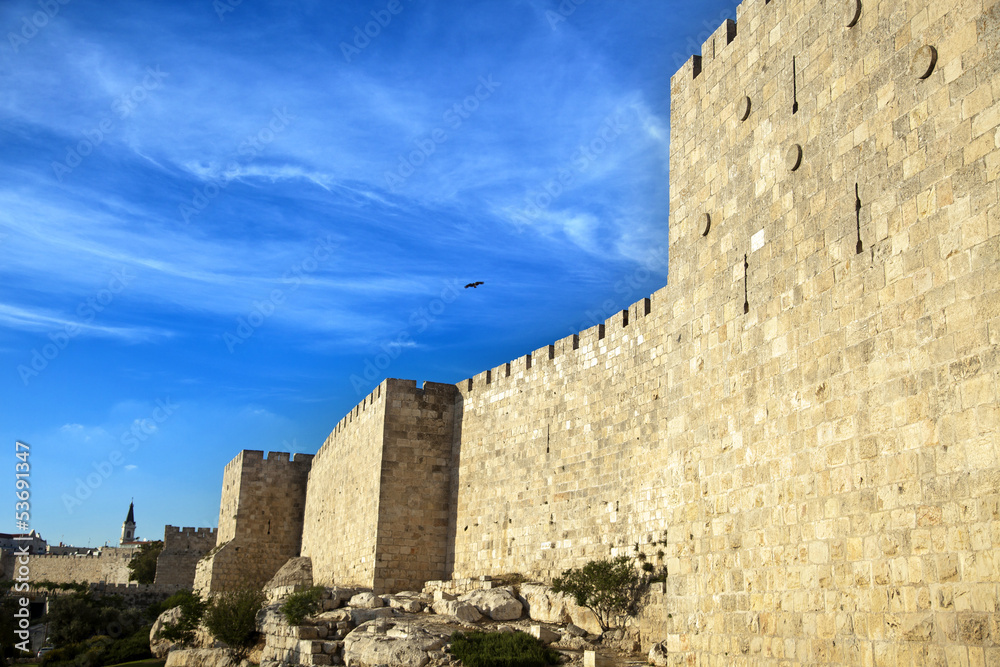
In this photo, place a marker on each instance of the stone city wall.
(415, 486)
(182, 549)
(110, 566)
(806, 415)
(377, 510)
(341, 517)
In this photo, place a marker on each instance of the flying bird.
(474, 285)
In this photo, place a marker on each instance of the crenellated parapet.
(800, 427)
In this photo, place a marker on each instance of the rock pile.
(357, 627)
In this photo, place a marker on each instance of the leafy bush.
(501, 649)
(192, 611)
(231, 617)
(612, 589)
(304, 603)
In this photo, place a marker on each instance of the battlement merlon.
(173, 531)
(249, 458)
(612, 326)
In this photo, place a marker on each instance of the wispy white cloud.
(34, 319)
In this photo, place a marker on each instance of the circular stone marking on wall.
(793, 158)
(923, 61)
(853, 14)
(706, 224)
(744, 108)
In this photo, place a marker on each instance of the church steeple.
(128, 528)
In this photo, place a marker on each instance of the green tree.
(142, 567)
(231, 617)
(612, 589)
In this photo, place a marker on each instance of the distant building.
(11, 542)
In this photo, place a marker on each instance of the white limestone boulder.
(409, 605)
(546, 606)
(365, 601)
(200, 657)
(544, 634)
(658, 655)
(463, 611)
(161, 647)
(382, 643)
(497, 603)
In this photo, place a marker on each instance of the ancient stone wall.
(182, 549)
(377, 510)
(341, 517)
(110, 566)
(415, 485)
(260, 520)
(809, 409)
(552, 447)
(807, 414)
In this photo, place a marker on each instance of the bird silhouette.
(474, 285)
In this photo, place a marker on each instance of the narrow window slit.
(625, 317)
(508, 370)
(527, 362)
(600, 332)
(647, 306)
(857, 215)
(489, 377)
(746, 297)
(470, 385)
(552, 351)
(795, 91)
(576, 341)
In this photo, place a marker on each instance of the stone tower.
(128, 527)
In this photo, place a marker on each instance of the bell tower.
(128, 528)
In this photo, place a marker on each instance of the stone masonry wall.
(808, 412)
(260, 520)
(182, 549)
(548, 457)
(814, 427)
(341, 516)
(415, 485)
(110, 566)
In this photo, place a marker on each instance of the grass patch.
(501, 649)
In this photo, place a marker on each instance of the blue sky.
(222, 224)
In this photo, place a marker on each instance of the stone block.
(595, 659)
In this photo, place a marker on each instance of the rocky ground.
(358, 628)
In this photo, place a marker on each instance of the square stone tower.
(260, 520)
